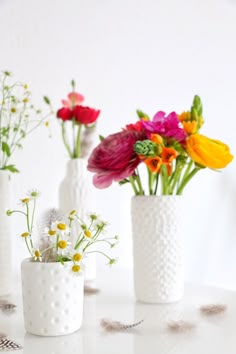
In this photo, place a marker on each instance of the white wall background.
(128, 54)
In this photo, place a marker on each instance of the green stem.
(18, 211)
(186, 180)
(138, 179)
(63, 131)
(78, 145)
(29, 227)
(30, 252)
(131, 178)
(150, 181)
(187, 170)
(156, 184)
(32, 219)
(164, 177)
(104, 254)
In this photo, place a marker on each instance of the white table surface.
(212, 335)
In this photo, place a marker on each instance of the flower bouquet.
(172, 151)
(170, 146)
(55, 266)
(78, 121)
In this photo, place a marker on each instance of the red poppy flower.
(65, 113)
(85, 115)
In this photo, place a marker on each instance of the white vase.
(52, 298)
(75, 193)
(6, 272)
(157, 248)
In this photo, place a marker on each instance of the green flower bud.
(145, 147)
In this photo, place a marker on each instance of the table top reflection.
(115, 300)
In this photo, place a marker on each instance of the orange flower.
(154, 163)
(185, 116)
(168, 155)
(190, 127)
(156, 138)
(208, 152)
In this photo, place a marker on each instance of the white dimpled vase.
(157, 248)
(52, 298)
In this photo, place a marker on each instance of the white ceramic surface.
(52, 298)
(5, 235)
(212, 335)
(75, 192)
(157, 248)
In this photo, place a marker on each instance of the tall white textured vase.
(157, 248)
(5, 236)
(75, 192)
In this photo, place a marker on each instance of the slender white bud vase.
(5, 236)
(157, 248)
(75, 193)
(52, 298)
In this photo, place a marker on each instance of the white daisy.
(61, 227)
(37, 256)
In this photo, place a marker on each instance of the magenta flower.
(167, 126)
(114, 158)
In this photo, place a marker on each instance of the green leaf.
(46, 100)
(11, 168)
(6, 149)
(124, 181)
(141, 114)
(101, 137)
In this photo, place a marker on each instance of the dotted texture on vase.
(52, 298)
(157, 248)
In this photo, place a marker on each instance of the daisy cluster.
(65, 240)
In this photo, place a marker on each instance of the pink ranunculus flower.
(73, 99)
(85, 115)
(114, 158)
(167, 126)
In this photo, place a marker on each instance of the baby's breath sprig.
(57, 245)
(18, 118)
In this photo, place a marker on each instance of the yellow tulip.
(208, 152)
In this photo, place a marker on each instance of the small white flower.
(50, 231)
(61, 227)
(37, 256)
(33, 194)
(75, 269)
(63, 246)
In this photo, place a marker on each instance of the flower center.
(62, 244)
(37, 253)
(25, 234)
(52, 232)
(25, 200)
(76, 268)
(61, 226)
(77, 257)
(87, 233)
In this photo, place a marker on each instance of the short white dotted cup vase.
(52, 298)
(157, 248)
